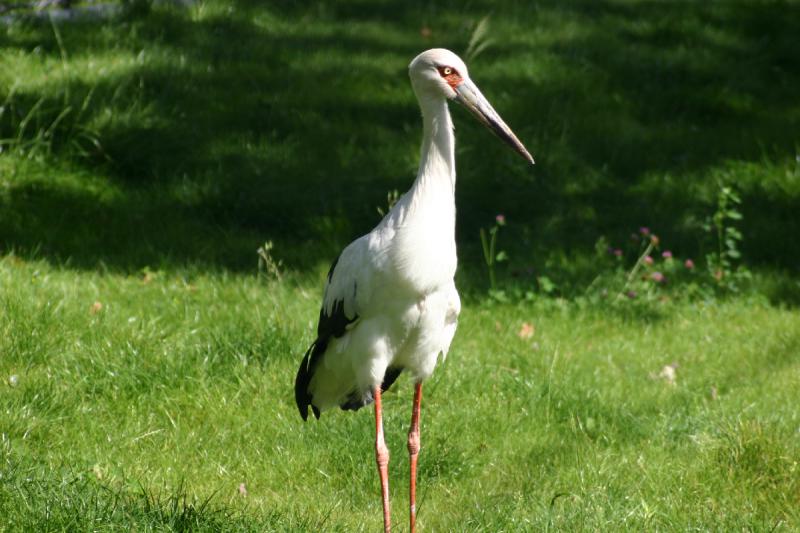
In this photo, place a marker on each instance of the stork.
(390, 303)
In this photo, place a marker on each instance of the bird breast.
(423, 255)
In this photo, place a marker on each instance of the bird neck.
(437, 161)
(436, 178)
(431, 199)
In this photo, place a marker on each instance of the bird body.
(394, 285)
(395, 288)
(390, 303)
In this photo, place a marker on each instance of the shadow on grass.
(234, 123)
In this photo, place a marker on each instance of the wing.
(348, 279)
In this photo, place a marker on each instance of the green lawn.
(147, 364)
(180, 385)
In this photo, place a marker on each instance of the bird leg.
(413, 452)
(382, 457)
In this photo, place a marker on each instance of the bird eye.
(446, 71)
(450, 76)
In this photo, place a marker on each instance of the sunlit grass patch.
(153, 397)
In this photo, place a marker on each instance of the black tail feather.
(357, 400)
(391, 375)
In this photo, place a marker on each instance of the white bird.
(390, 302)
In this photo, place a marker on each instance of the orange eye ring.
(451, 76)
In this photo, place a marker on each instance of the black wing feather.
(333, 325)
(330, 326)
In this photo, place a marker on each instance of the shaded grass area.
(147, 401)
(205, 131)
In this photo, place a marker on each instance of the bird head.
(439, 73)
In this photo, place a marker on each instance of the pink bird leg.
(413, 452)
(382, 457)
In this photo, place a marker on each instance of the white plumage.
(390, 302)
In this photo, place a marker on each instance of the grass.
(146, 367)
(149, 410)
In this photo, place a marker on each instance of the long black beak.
(467, 93)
